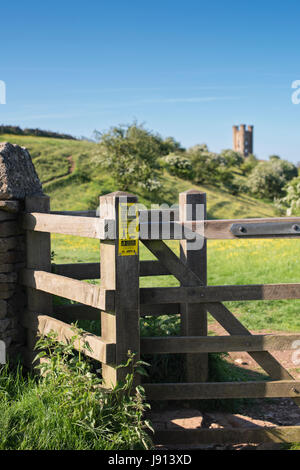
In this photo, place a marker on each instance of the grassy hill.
(70, 177)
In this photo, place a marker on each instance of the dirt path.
(261, 412)
(71, 164)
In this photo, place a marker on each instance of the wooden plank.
(93, 270)
(255, 434)
(78, 271)
(209, 344)
(153, 268)
(212, 229)
(101, 350)
(159, 309)
(174, 265)
(219, 293)
(72, 289)
(122, 274)
(38, 256)
(90, 213)
(192, 206)
(222, 390)
(146, 216)
(91, 227)
(77, 312)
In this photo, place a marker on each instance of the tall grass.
(67, 408)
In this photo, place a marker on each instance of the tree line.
(136, 157)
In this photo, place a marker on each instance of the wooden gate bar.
(219, 293)
(222, 390)
(72, 289)
(76, 312)
(255, 434)
(93, 270)
(101, 350)
(201, 344)
(91, 227)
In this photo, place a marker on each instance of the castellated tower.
(243, 139)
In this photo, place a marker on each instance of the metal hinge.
(265, 228)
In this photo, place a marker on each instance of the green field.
(229, 262)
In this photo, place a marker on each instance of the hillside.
(73, 182)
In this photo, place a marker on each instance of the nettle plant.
(115, 415)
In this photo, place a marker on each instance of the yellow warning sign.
(128, 229)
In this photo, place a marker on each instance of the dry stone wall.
(18, 179)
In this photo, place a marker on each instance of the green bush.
(232, 158)
(179, 165)
(131, 155)
(248, 164)
(291, 201)
(268, 178)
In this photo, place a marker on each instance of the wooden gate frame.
(122, 302)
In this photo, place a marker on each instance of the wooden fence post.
(194, 316)
(38, 256)
(120, 272)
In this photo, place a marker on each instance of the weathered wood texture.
(38, 256)
(159, 309)
(220, 390)
(78, 271)
(212, 229)
(90, 227)
(192, 206)
(101, 350)
(93, 270)
(91, 213)
(72, 289)
(77, 312)
(153, 268)
(122, 274)
(219, 293)
(199, 344)
(255, 434)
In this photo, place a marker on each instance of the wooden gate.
(122, 302)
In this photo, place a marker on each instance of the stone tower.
(243, 139)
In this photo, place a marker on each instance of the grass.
(229, 262)
(66, 409)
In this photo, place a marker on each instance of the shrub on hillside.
(248, 164)
(268, 178)
(179, 165)
(206, 165)
(131, 154)
(213, 168)
(290, 203)
(232, 158)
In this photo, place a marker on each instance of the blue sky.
(188, 69)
